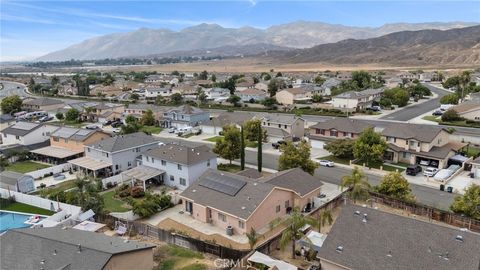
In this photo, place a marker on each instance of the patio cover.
(258, 257)
(142, 173)
(90, 163)
(89, 226)
(86, 215)
(56, 152)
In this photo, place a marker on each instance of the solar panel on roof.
(223, 184)
(65, 132)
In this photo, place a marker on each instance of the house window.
(333, 133)
(179, 166)
(208, 163)
(287, 204)
(148, 159)
(277, 209)
(241, 224)
(88, 149)
(172, 178)
(183, 181)
(279, 126)
(66, 140)
(137, 150)
(107, 154)
(17, 137)
(164, 163)
(285, 126)
(153, 160)
(129, 164)
(222, 217)
(117, 167)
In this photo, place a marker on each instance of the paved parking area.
(49, 181)
(462, 181)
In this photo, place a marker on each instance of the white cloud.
(252, 2)
(7, 17)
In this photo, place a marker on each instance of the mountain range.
(211, 38)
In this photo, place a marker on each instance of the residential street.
(10, 89)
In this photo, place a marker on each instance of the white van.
(35, 115)
(445, 107)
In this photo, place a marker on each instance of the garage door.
(317, 144)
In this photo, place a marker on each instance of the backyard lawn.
(151, 129)
(63, 186)
(23, 208)
(170, 257)
(213, 139)
(69, 123)
(375, 165)
(26, 166)
(232, 168)
(112, 204)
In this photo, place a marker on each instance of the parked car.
(430, 171)
(434, 163)
(117, 124)
(107, 123)
(44, 119)
(171, 130)
(437, 113)
(92, 127)
(278, 144)
(59, 176)
(326, 163)
(424, 162)
(413, 169)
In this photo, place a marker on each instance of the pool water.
(12, 221)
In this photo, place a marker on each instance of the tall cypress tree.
(259, 150)
(242, 153)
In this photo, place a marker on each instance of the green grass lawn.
(113, 204)
(151, 129)
(23, 208)
(233, 168)
(335, 159)
(63, 186)
(188, 135)
(432, 118)
(213, 139)
(195, 266)
(69, 123)
(388, 168)
(26, 166)
(471, 151)
(172, 255)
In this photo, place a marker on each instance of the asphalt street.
(12, 88)
(415, 110)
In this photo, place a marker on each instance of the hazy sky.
(29, 29)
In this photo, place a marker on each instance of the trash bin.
(229, 230)
(442, 187)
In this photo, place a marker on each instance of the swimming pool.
(10, 220)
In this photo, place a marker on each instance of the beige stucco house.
(283, 126)
(290, 96)
(469, 110)
(229, 200)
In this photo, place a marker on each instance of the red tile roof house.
(224, 199)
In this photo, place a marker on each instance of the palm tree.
(464, 80)
(252, 238)
(357, 183)
(324, 217)
(295, 222)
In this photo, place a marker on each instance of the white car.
(424, 162)
(326, 163)
(171, 130)
(430, 171)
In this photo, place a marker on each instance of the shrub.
(110, 185)
(137, 192)
(124, 193)
(451, 115)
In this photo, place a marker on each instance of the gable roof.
(40, 244)
(186, 109)
(21, 128)
(229, 118)
(360, 94)
(423, 133)
(280, 118)
(343, 124)
(122, 142)
(10, 178)
(294, 179)
(413, 244)
(181, 154)
(76, 134)
(467, 106)
(295, 91)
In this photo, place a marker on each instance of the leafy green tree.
(130, 119)
(202, 97)
(203, 75)
(361, 79)
(11, 104)
(234, 99)
(357, 183)
(159, 100)
(147, 118)
(72, 115)
(132, 125)
(259, 150)
(176, 99)
(395, 96)
(252, 127)
(87, 196)
(229, 147)
(279, 74)
(54, 80)
(453, 81)
(213, 78)
(418, 90)
(451, 116)
(450, 99)
(319, 80)
(293, 231)
(175, 73)
(396, 186)
(341, 148)
(324, 217)
(150, 204)
(252, 238)
(296, 157)
(316, 98)
(242, 152)
(255, 80)
(469, 203)
(59, 115)
(269, 102)
(267, 77)
(272, 87)
(134, 96)
(369, 146)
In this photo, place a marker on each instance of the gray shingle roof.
(360, 94)
(77, 134)
(21, 128)
(181, 154)
(250, 173)
(294, 179)
(343, 124)
(186, 109)
(122, 142)
(413, 244)
(423, 133)
(26, 248)
(229, 118)
(9, 177)
(278, 118)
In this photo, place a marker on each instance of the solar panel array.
(223, 184)
(25, 125)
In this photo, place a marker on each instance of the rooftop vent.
(364, 218)
(194, 190)
(459, 238)
(243, 207)
(54, 252)
(357, 213)
(389, 254)
(339, 249)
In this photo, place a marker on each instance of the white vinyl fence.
(115, 180)
(50, 170)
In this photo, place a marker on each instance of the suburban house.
(244, 85)
(236, 202)
(251, 94)
(180, 165)
(186, 90)
(68, 248)
(217, 94)
(204, 83)
(214, 126)
(357, 100)
(326, 88)
(153, 91)
(111, 156)
(42, 104)
(26, 133)
(476, 167)
(6, 120)
(154, 78)
(337, 128)
(366, 238)
(469, 110)
(17, 182)
(290, 96)
(184, 116)
(412, 144)
(139, 109)
(93, 111)
(283, 126)
(67, 143)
